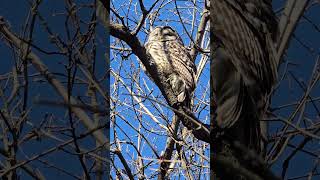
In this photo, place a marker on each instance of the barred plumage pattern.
(172, 60)
(245, 69)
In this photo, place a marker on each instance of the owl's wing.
(246, 69)
(182, 62)
(244, 44)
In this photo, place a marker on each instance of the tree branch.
(199, 129)
(12, 39)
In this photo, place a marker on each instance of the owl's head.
(163, 33)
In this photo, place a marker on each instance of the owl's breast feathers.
(172, 57)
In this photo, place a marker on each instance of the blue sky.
(301, 62)
(301, 59)
(131, 65)
(15, 12)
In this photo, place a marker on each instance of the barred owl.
(245, 69)
(172, 61)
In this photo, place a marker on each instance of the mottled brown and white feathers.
(245, 69)
(172, 60)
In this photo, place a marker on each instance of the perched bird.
(244, 69)
(172, 61)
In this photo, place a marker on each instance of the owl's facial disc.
(168, 33)
(163, 33)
